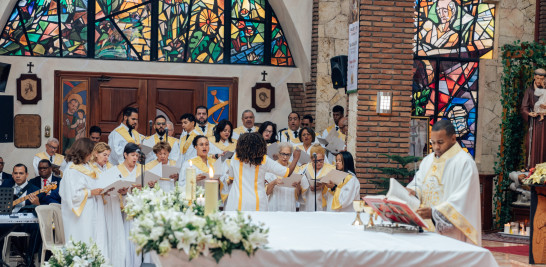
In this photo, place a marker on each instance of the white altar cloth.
(328, 239)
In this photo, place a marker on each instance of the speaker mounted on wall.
(6, 120)
(4, 74)
(339, 71)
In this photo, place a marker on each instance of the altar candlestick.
(211, 194)
(190, 182)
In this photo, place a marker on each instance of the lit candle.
(190, 182)
(211, 194)
(200, 201)
(507, 228)
(522, 229)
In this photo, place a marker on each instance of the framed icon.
(29, 89)
(263, 97)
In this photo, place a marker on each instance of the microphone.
(151, 125)
(167, 134)
(315, 156)
(315, 171)
(141, 156)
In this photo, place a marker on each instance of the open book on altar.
(111, 180)
(398, 206)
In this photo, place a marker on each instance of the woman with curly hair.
(269, 132)
(247, 173)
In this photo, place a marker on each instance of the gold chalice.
(358, 205)
(370, 212)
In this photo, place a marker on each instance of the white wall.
(248, 76)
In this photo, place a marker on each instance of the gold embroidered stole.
(81, 168)
(201, 165)
(57, 159)
(290, 134)
(209, 127)
(221, 146)
(241, 130)
(125, 172)
(186, 143)
(135, 139)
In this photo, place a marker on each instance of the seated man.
(22, 188)
(44, 179)
(52, 146)
(4, 177)
(447, 184)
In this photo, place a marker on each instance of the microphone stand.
(142, 161)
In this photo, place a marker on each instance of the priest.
(203, 126)
(536, 142)
(248, 124)
(160, 126)
(59, 164)
(123, 134)
(447, 184)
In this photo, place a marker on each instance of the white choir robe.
(165, 183)
(209, 129)
(221, 147)
(83, 214)
(308, 151)
(241, 130)
(58, 159)
(284, 198)
(151, 141)
(309, 195)
(327, 130)
(289, 136)
(247, 192)
(342, 198)
(117, 140)
(203, 168)
(115, 228)
(450, 185)
(186, 148)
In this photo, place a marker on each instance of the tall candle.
(190, 182)
(507, 228)
(211, 194)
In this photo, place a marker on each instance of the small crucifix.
(30, 65)
(264, 74)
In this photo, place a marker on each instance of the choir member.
(292, 133)
(187, 151)
(125, 133)
(162, 151)
(337, 114)
(203, 126)
(248, 124)
(341, 196)
(222, 141)
(160, 126)
(320, 169)
(268, 130)
(52, 146)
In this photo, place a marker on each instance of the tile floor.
(506, 259)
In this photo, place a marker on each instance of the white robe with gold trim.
(151, 141)
(450, 185)
(117, 140)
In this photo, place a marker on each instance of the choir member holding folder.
(247, 173)
(163, 167)
(284, 193)
(82, 208)
(341, 196)
(222, 140)
(321, 169)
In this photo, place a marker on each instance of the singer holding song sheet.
(447, 184)
(340, 197)
(161, 135)
(318, 155)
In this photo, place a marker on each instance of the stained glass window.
(451, 38)
(148, 30)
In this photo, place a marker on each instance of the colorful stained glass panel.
(280, 53)
(172, 27)
(247, 42)
(41, 22)
(135, 24)
(109, 42)
(13, 40)
(248, 10)
(205, 43)
(74, 28)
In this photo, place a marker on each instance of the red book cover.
(394, 210)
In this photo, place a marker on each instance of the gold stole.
(96, 169)
(125, 134)
(84, 170)
(57, 160)
(293, 139)
(335, 202)
(241, 130)
(209, 127)
(201, 165)
(171, 140)
(221, 146)
(125, 173)
(326, 168)
(184, 145)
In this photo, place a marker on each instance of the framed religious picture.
(419, 136)
(263, 97)
(29, 89)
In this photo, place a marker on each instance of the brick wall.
(385, 64)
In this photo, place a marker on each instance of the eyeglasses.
(267, 131)
(53, 147)
(319, 161)
(284, 154)
(160, 123)
(43, 168)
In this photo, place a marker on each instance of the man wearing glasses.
(45, 177)
(57, 160)
(160, 126)
(291, 134)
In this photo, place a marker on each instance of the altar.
(328, 239)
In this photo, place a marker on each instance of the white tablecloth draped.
(328, 239)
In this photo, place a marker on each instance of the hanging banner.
(352, 57)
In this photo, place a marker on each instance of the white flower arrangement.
(77, 254)
(162, 221)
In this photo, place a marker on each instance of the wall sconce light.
(384, 103)
(47, 131)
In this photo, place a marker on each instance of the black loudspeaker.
(4, 74)
(6, 119)
(339, 71)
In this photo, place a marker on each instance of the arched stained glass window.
(451, 36)
(148, 30)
